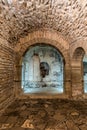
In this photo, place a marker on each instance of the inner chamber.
(42, 70)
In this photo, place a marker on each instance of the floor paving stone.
(44, 114)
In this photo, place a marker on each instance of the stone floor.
(45, 114)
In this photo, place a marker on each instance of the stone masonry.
(59, 23)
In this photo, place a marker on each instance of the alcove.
(42, 70)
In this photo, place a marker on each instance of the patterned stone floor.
(45, 114)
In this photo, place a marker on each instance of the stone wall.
(10, 66)
(60, 23)
(73, 69)
(69, 17)
(6, 74)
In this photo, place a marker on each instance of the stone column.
(77, 78)
(17, 78)
(67, 80)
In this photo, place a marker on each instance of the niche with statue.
(42, 70)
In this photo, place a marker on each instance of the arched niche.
(85, 73)
(47, 37)
(78, 54)
(42, 70)
(77, 72)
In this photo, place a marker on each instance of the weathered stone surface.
(6, 74)
(28, 124)
(37, 118)
(70, 124)
(67, 17)
(60, 23)
(74, 113)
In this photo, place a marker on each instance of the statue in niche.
(44, 69)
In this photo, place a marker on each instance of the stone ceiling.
(19, 17)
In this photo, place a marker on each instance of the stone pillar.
(17, 78)
(67, 80)
(77, 78)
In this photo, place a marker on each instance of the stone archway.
(77, 72)
(48, 37)
(43, 70)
